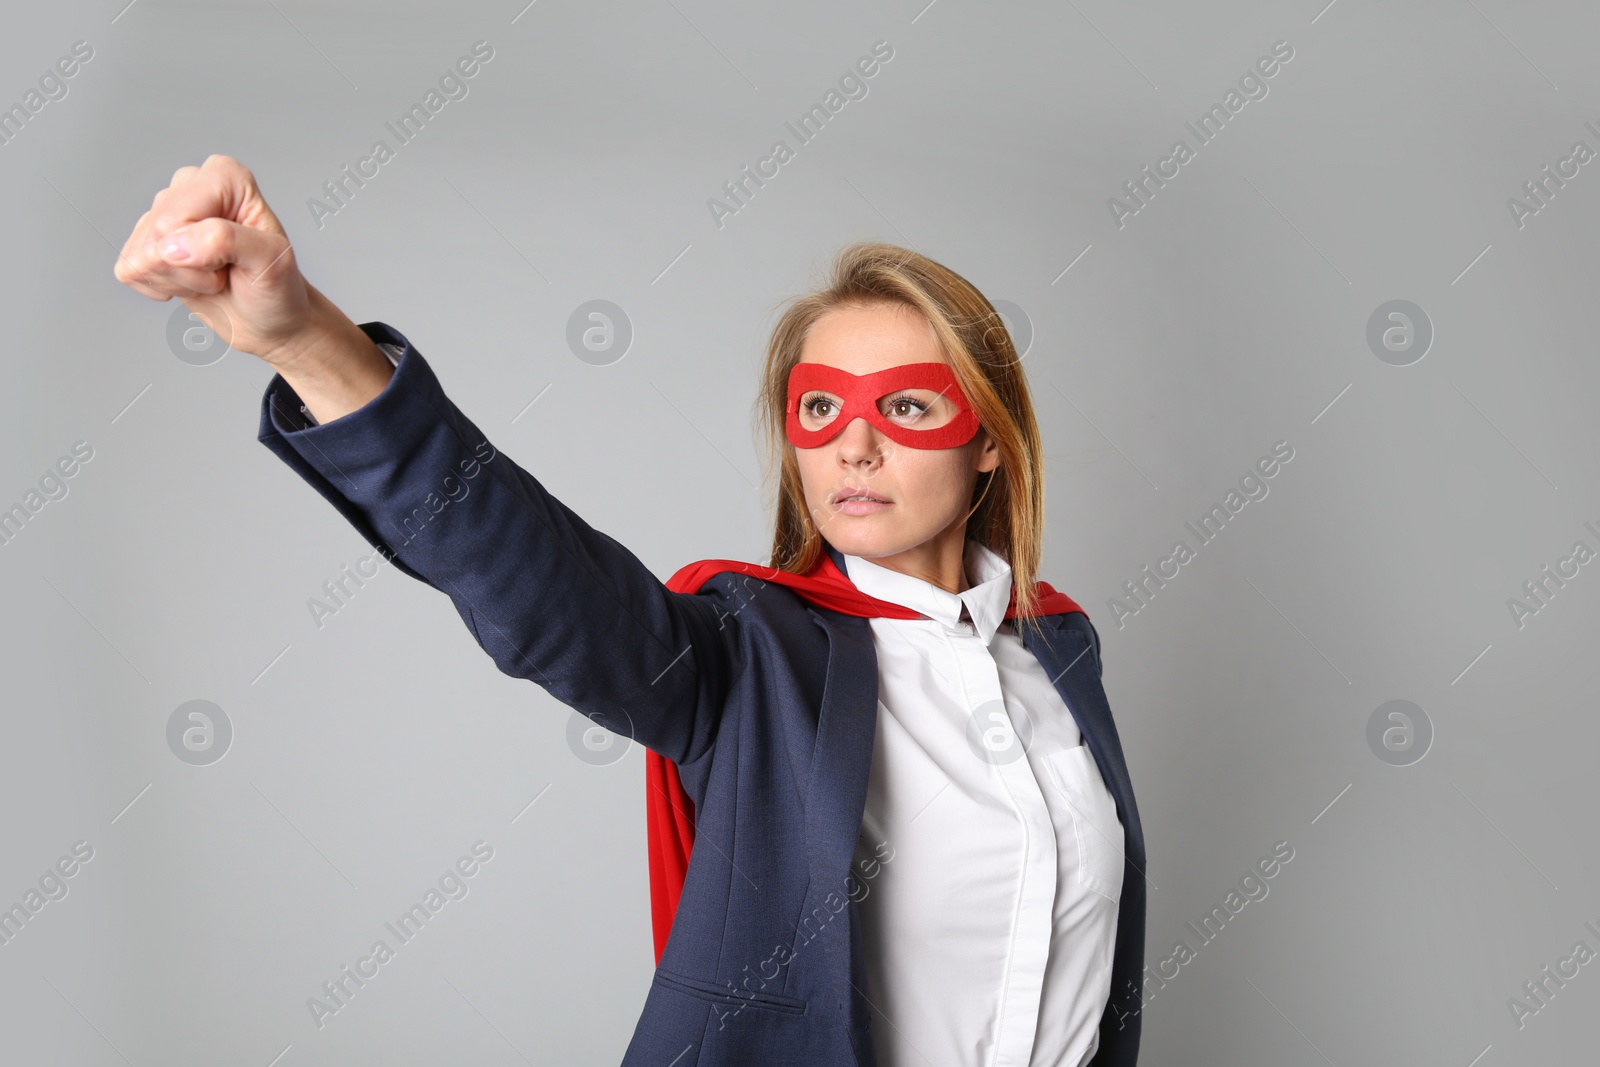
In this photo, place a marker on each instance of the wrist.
(331, 364)
(326, 342)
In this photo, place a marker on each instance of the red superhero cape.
(669, 811)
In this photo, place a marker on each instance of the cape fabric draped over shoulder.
(669, 810)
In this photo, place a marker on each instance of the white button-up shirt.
(989, 932)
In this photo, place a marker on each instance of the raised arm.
(548, 597)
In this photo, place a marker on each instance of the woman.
(890, 818)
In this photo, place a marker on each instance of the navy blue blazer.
(766, 704)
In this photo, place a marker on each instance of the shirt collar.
(986, 599)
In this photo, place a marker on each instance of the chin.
(858, 540)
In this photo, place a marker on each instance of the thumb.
(214, 244)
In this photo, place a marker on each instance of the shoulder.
(767, 611)
(783, 644)
(754, 597)
(1078, 622)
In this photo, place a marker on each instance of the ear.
(988, 452)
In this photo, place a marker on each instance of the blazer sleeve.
(546, 595)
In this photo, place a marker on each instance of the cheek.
(806, 459)
(814, 472)
(930, 474)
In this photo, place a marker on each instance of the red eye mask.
(860, 394)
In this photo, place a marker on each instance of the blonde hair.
(1007, 512)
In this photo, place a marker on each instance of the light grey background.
(1230, 313)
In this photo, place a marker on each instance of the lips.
(855, 491)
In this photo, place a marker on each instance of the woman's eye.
(819, 402)
(906, 407)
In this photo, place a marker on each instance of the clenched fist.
(210, 240)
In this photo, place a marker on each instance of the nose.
(860, 442)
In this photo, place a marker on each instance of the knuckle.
(142, 267)
(129, 274)
(207, 236)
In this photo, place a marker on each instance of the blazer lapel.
(1064, 653)
(841, 763)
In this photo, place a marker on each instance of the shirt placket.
(1017, 1015)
